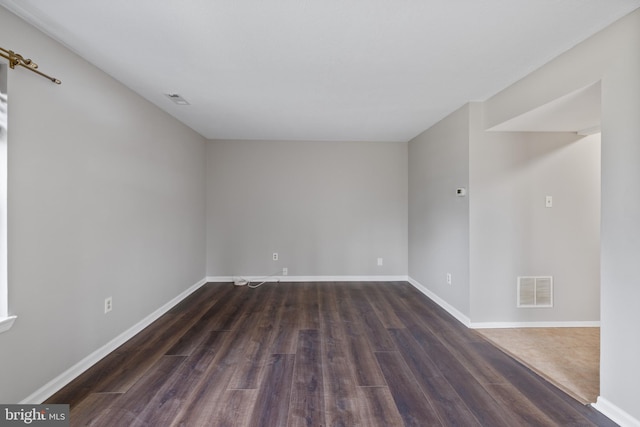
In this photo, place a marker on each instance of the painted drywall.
(106, 198)
(502, 228)
(514, 234)
(327, 208)
(438, 218)
(619, 371)
(612, 56)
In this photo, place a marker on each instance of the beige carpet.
(567, 357)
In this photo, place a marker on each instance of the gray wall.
(106, 198)
(514, 234)
(438, 218)
(620, 372)
(327, 208)
(612, 56)
(502, 229)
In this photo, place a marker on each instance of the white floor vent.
(535, 291)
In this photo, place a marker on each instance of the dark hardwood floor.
(314, 354)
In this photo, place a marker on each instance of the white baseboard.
(311, 278)
(219, 279)
(616, 414)
(73, 372)
(497, 325)
(442, 303)
(510, 325)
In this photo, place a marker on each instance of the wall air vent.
(535, 291)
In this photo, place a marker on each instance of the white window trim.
(6, 321)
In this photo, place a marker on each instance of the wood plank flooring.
(314, 354)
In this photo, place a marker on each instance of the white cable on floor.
(240, 281)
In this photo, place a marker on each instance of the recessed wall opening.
(570, 128)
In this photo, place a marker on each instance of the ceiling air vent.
(178, 99)
(535, 291)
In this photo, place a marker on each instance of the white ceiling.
(379, 70)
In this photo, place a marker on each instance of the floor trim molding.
(218, 279)
(497, 325)
(616, 414)
(442, 303)
(511, 325)
(46, 391)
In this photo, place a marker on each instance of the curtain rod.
(17, 59)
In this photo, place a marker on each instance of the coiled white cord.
(240, 281)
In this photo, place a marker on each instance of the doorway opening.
(566, 350)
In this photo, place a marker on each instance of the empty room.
(319, 213)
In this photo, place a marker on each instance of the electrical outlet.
(448, 278)
(108, 305)
(275, 256)
(285, 271)
(548, 201)
(380, 260)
